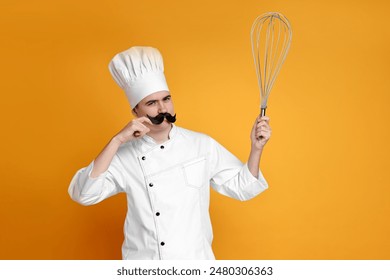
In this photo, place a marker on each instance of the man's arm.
(103, 160)
(89, 185)
(232, 179)
(260, 134)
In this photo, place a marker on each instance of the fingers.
(143, 120)
(137, 127)
(144, 130)
(263, 122)
(262, 129)
(263, 134)
(264, 118)
(139, 123)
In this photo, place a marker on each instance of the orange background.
(326, 162)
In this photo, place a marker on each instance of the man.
(165, 170)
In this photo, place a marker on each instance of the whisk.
(271, 38)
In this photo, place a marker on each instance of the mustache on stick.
(158, 120)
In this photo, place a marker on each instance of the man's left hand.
(261, 132)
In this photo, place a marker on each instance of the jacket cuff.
(258, 183)
(92, 186)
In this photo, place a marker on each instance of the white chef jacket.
(167, 188)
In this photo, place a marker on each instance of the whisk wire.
(271, 38)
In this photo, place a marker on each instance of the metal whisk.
(271, 38)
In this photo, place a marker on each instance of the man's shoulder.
(193, 134)
(195, 137)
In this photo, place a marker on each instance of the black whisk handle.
(262, 112)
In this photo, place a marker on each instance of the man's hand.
(134, 129)
(261, 132)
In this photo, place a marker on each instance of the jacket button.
(150, 184)
(158, 214)
(162, 147)
(162, 243)
(143, 158)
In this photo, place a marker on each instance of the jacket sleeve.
(230, 177)
(87, 190)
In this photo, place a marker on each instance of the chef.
(165, 170)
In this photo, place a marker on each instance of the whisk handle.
(262, 112)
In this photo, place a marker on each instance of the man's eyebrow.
(155, 100)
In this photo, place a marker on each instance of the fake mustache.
(160, 118)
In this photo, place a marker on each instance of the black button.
(162, 147)
(150, 184)
(162, 243)
(143, 158)
(158, 214)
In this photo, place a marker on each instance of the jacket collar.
(149, 140)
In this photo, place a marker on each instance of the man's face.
(152, 105)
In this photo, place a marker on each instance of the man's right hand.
(134, 129)
(103, 160)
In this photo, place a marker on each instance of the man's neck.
(160, 136)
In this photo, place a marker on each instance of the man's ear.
(134, 112)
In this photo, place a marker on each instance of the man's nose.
(161, 107)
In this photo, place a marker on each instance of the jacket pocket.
(195, 172)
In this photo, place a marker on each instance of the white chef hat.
(139, 71)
